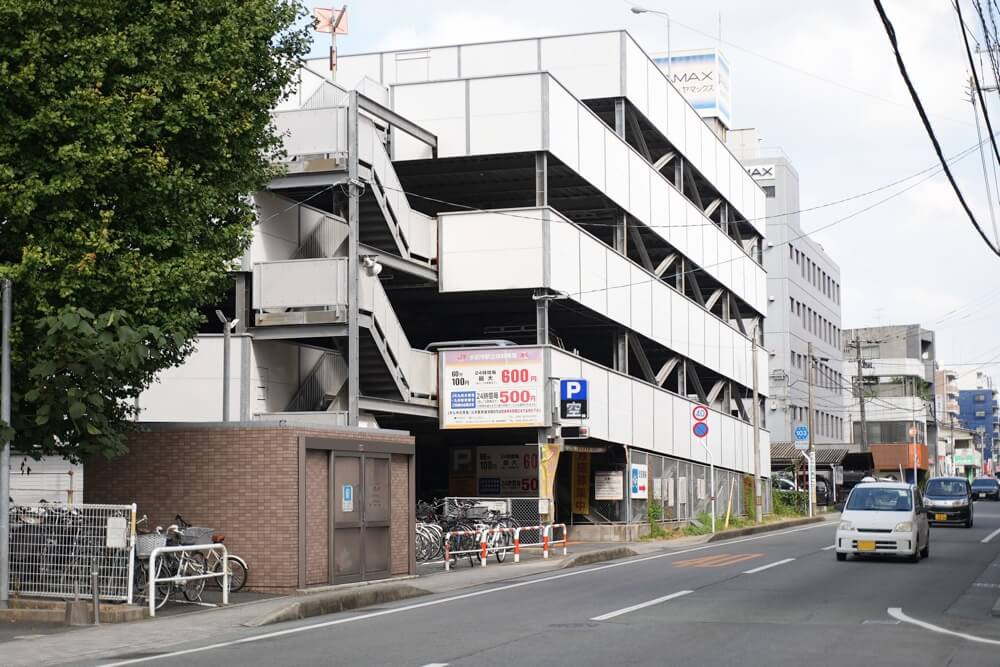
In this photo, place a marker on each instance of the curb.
(598, 556)
(319, 604)
(766, 528)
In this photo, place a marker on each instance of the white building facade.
(803, 306)
(556, 196)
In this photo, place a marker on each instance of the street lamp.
(227, 327)
(643, 10)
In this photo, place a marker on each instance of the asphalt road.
(774, 599)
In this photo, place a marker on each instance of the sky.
(818, 80)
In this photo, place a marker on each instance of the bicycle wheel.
(140, 584)
(501, 544)
(193, 564)
(237, 573)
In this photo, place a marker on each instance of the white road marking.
(832, 546)
(990, 536)
(431, 603)
(897, 613)
(982, 585)
(768, 566)
(641, 605)
(436, 664)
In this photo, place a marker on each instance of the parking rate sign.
(573, 399)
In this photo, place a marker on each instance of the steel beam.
(640, 246)
(712, 206)
(716, 390)
(692, 374)
(388, 115)
(633, 125)
(713, 298)
(640, 355)
(372, 404)
(662, 267)
(407, 266)
(665, 160)
(291, 331)
(354, 265)
(666, 369)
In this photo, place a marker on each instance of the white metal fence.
(54, 547)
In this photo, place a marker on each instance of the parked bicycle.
(238, 568)
(465, 520)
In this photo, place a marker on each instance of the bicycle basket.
(145, 543)
(477, 512)
(196, 535)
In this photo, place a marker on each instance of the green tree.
(131, 134)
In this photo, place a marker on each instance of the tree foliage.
(131, 134)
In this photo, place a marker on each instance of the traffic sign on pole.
(700, 429)
(801, 433)
(700, 413)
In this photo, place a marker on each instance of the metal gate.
(54, 547)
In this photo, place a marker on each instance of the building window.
(791, 251)
(980, 398)
(768, 191)
(980, 413)
(791, 304)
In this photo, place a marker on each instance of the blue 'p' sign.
(573, 399)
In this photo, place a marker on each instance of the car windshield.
(984, 484)
(946, 487)
(879, 499)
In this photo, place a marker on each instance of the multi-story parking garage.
(460, 227)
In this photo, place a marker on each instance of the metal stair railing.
(325, 380)
(324, 240)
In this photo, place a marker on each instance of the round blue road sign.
(700, 429)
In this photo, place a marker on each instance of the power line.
(813, 75)
(891, 33)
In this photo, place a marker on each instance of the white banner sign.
(496, 387)
(608, 485)
(639, 481)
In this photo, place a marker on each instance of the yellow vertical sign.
(581, 483)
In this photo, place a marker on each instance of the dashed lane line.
(989, 537)
(769, 566)
(641, 605)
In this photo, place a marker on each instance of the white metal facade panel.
(588, 65)
(682, 427)
(591, 149)
(656, 84)
(490, 251)
(311, 131)
(713, 333)
(709, 143)
(564, 137)
(351, 69)
(727, 350)
(499, 58)
(728, 444)
(677, 234)
(662, 332)
(710, 242)
(438, 108)
(635, 76)
(659, 206)
(714, 438)
(643, 415)
(616, 165)
(693, 125)
(278, 236)
(722, 159)
(444, 63)
(301, 283)
(663, 423)
(505, 114)
(679, 308)
(619, 407)
(565, 253)
(676, 119)
(639, 178)
(697, 318)
(642, 302)
(408, 66)
(594, 274)
(619, 288)
(599, 408)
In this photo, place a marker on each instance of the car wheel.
(926, 551)
(841, 557)
(968, 523)
(914, 558)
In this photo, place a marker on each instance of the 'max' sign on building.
(703, 77)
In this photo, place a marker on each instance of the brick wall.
(242, 482)
(399, 530)
(317, 516)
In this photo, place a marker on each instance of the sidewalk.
(214, 625)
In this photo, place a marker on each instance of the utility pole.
(758, 511)
(861, 393)
(812, 438)
(5, 288)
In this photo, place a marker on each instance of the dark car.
(986, 487)
(949, 500)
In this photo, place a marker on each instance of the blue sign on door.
(801, 432)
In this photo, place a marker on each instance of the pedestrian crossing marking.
(719, 560)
